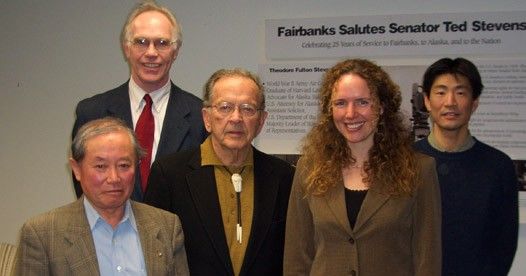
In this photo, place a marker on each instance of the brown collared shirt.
(228, 201)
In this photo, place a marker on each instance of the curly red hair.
(391, 164)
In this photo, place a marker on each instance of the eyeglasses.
(160, 44)
(226, 108)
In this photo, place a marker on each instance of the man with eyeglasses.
(232, 199)
(166, 118)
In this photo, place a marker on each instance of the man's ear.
(475, 105)
(206, 119)
(176, 53)
(126, 50)
(75, 167)
(427, 103)
(262, 119)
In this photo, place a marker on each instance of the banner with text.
(397, 35)
(291, 93)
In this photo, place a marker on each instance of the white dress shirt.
(160, 102)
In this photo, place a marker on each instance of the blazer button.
(351, 240)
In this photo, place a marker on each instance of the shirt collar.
(467, 144)
(137, 94)
(94, 217)
(209, 156)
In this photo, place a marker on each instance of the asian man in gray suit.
(103, 232)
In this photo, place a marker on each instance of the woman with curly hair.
(362, 202)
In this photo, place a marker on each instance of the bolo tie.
(237, 181)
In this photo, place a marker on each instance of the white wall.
(54, 53)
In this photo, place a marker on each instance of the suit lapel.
(373, 201)
(265, 193)
(120, 106)
(80, 255)
(335, 200)
(175, 126)
(202, 186)
(152, 246)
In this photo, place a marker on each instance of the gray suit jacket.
(182, 129)
(59, 242)
(392, 235)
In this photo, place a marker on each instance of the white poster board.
(397, 35)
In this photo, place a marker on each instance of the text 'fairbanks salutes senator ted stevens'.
(446, 26)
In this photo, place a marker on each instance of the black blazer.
(182, 127)
(178, 183)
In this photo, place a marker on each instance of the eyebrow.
(443, 86)
(99, 158)
(352, 100)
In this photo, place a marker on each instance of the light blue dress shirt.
(118, 250)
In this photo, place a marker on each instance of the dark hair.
(458, 66)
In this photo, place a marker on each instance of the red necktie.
(144, 130)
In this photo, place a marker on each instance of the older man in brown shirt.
(232, 199)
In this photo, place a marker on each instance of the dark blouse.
(354, 200)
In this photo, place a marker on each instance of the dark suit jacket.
(60, 243)
(393, 235)
(182, 128)
(180, 184)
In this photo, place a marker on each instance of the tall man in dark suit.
(232, 199)
(150, 39)
(103, 232)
